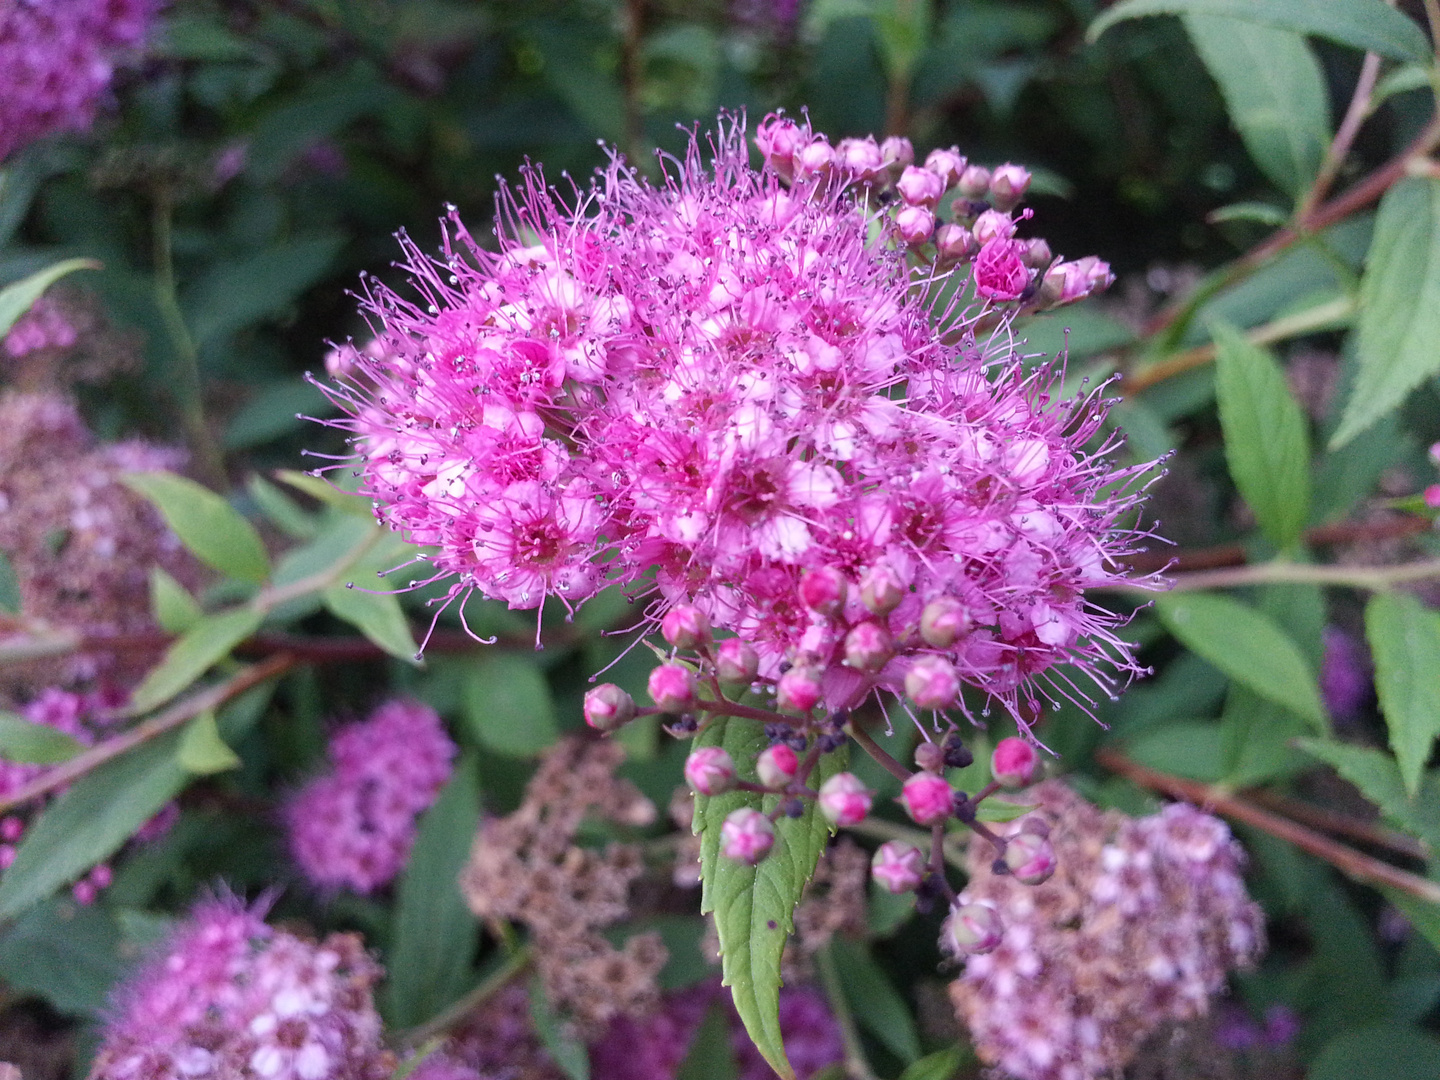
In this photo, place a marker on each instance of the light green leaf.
(941, 1065)
(1188, 748)
(202, 751)
(192, 654)
(174, 608)
(567, 1051)
(205, 523)
(902, 29)
(1404, 638)
(1267, 445)
(710, 1056)
(508, 705)
(91, 821)
(433, 935)
(1260, 212)
(9, 586)
(18, 297)
(1402, 80)
(754, 905)
(29, 743)
(1362, 24)
(1399, 306)
(873, 999)
(1274, 92)
(1378, 778)
(324, 491)
(1248, 647)
(282, 511)
(376, 614)
(1384, 1052)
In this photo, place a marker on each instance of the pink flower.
(1000, 272)
(932, 682)
(799, 690)
(899, 867)
(921, 187)
(927, 798)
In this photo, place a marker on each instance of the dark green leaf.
(1404, 638)
(9, 586)
(1267, 444)
(876, 1003)
(1257, 740)
(199, 37)
(1399, 306)
(1385, 1052)
(1378, 778)
(710, 1056)
(1188, 748)
(202, 750)
(192, 654)
(508, 705)
(91, 821)
(941, 1065)
(1362, 24)
(1248, 647)
(567, 1051)
(279, 409)
(28, 743)
(205, 523)
(433, 935)
(18, 297)
(1274, 92)
(1423, 916)
(233, 295)
(175, 610)
(65, 953)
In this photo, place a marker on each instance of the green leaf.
(234, 294)
(1423, 915)
(279, 409)
(1261, 212)
(18, 297)
(1384, 1052)
(283, 512)
(754, 905)
(1402, 80)
(1378, 778)
(200, 37)
(902, 29)
(508, 705)
(1362, 24)
(174, 608)
(876, 1003)
(1399, 306)
(567, 1051)
(1188, 748)
(1404, 638)
(710, 1056)
(376, 614)
(192, 654)
(65, 953)
(1267, 445)
(1248, 647)
(91, 821)
(202, 750)
(324, 491)
(28, 743)
(9, 586)
(1257, 740)
(433, 935)
(205, 523)
(941, 1065)
(1274, 92)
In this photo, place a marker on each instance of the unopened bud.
(881, 589)
(824, 590)
(1064, 284)
(778, 138)
(672, 688)
(1030, 858)
(974, 182)
(943, 621)
(860, 158)
(1037, 254)
(776, 766)
(898, 154)
(920, 187)
(915, 224)
(608, 707)
(930, 757)
(954, 243)
(798, 690)
(1035, 825)
(932, 683)
(971, 929)
(868, 647)
(710, 770)
(844, 799)
(992, 225)
(946, 164)
(1432, 496)
(746, 836)
(815, 158)
(926, 797)
(1014, 762)
(736, 662)
(898, 867)
(1008, 185)
(686, 627)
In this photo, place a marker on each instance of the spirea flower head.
(735, 380)
(57, 59)
(353, 826)
(229, 996)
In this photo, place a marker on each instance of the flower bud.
(11, 829)
(776, 766)
(860, 158)
(920, 187)
(844, 799)
(1097, 274)
(881, 589)
(943, 621)
(1432, 496)
(898, 154)
(954, 243)
(814, 158)
(930, 757)
(915, 224)
(946, 164)
(974, 182)
(1037, 254)
(798, 690)
(1064, 283)
(778, 138)
(926, 797)
(1014, 762)
(993, 225)
(672, 688)
(971, 929)
(1035, 825)
(686, 627)
(868, 647)
(608, 707)
(1008, 185)
(1030, 858)
(898, 867)
(710, 770)
(736, 662)
(931, 683)
(746, 836)
(824, 590)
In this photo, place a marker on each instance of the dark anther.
(796, 741)
(957, 754)
(927, 893)
(777, 732)
(682, 725)
(838, 719)
(830, 743)
(785, 666)
(792, 808)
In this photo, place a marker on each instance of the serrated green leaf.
(1248, 647)
(567, 1051)
(202, 751)
(9, 586)
(217, 534)
(1399, 306)
(873, 999)
(175, 610)
(1378, 777)
(1404, 638)
(1362, 24)
(1383, 1052)
(18, 297)
(754, 905)
(29, 743)
(1274, 93)
(192, 654)
(1267, 445)
(509, 706)
(710, 1056)
(91, 821)
(941, 1065)
(433, 934)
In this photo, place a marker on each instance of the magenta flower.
(1000, 273)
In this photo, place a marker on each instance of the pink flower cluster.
(56, 60)
(229, 996)
(736, 380)
(44, 326)
(353, 826)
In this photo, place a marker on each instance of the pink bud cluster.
(228, 996)
(353, 826)
(733, 385)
